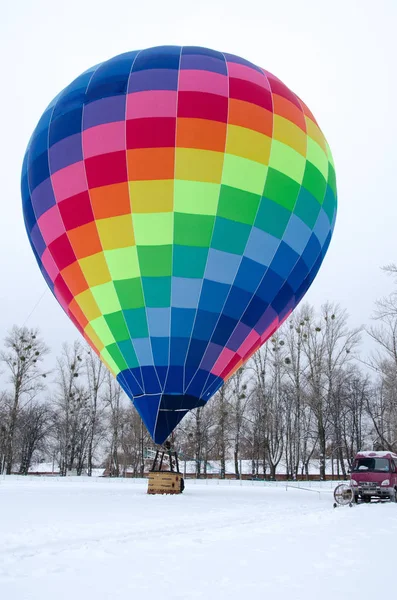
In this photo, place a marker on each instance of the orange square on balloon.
(78, 314)
(146, 164)
(74, 278)
(251, 116)
(203, 134)
(110, 200)
(85, 240)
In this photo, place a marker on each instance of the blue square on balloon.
(73, 96)
(282, 298)
(269, 286)
(185, 292)
(178, 350)
(38, 145)
(162, 57)
(249, 274)
(196, 351)
(111, 78)
(28, 214)
(297, 275)
(261, 246)
(322, 227)
(254, 311)
(143, 351)
(158, 320)
(296, 234)
(213, 295)
(311, 252)
(284, 260)
(204, 325)
(223, 330)
(38, 171)
(65, 125)
(236, 302)
(222, 266)
(182, 320)
(161, 350)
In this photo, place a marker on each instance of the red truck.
(374, 475)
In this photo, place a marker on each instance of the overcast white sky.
(338, 56)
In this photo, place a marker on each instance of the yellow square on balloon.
(116, 232)
(86, 302)
(247, 143)
(95, 269)
(198, 165)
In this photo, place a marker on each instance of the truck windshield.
(371, 464)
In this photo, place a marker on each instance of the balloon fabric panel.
(179, 203)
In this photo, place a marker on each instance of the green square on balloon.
(155, 261)
(314, 182)
(272, 218)
(230, 236)
(307, 208)
(153, 229)
(136, 322)
(102, 330)
(193, 230)
(189, 261)
(130, 293)
(157, 291)
(243, 174)
(238, 205)
(331, 178)
(106, 297)
(117, 326)
(118, 358)
(127, 350)
(288, 161)
(196, 197)
(281, 189)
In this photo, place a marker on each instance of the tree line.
(308, 394)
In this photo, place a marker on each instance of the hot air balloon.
(179, 202)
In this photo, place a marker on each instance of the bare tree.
(71, 410)
(113, 401)
(24, 352)
(95, 373)
(33, 426)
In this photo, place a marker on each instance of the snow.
(103, 538)
(378, 454)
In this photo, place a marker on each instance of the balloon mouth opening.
(161, 413)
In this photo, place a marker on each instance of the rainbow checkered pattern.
(179, 202)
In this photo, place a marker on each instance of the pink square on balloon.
(49, 265)
(203, 81)
(154, 103)
(248, 343)
(51, 225)
(69, 181)
(247, 74)
(224, 359)
(102, 139)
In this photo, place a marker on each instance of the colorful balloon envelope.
(179, 202)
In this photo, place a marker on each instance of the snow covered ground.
(104, 539)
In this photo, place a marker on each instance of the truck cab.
(374, 475)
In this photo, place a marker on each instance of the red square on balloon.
(76, 211)
(156, 132)
(62, 252)
(106, 169)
